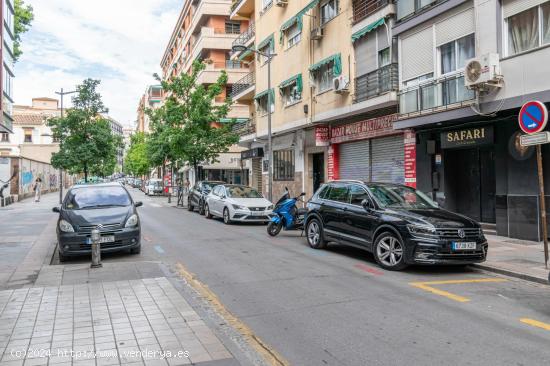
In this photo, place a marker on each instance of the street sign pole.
(542, 205)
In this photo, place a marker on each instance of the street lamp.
(62, 94)
(269, 57)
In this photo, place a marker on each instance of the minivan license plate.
(464, 246)
(103, 239)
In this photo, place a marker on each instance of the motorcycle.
(286, 215)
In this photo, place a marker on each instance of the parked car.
(197, 194)
(398, 224)
(137, 183)
(110, 208)
(130, 181)
(154, 186)
(235, 202)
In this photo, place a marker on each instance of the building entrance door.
(318, 170)
(470, 182)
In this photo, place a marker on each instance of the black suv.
(398, 224)
(197, 194)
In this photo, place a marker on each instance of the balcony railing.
(375, 83)
(227, 64)
(245, 36)
(364, 8)
(244, 83)
(435, 96)
(244, 127)
(235, 3)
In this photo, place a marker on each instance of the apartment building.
(6, 52)
(468, 154)
(151, 99)
(205, 32)
(334, 92)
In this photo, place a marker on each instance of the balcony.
(364, 8)
(241, 9)
(435, 96)
(244, 88)
(243, 128)
(244, 39)
(409, 8)
(376, 83)
(235, 71)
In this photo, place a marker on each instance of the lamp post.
(62, 94)
(269, 57)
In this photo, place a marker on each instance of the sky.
(120, 42)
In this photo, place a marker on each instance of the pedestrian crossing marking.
(427, 286)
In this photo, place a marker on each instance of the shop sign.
(533, 117)
(257, 152)
(410, 158)
(322, 136)
(375, 127)
(467, 137)
(332, 163)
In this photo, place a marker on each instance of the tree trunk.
(85, 173)
(196, 171)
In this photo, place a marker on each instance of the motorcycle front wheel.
(273, 229)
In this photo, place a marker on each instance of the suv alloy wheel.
(389, 252)
(314, 234)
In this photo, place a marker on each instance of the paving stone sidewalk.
(518, 258)
(141, 322)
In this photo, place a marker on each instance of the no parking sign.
(533, 117)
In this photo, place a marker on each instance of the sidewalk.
(517, 258)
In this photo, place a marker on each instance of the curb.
(523, 276)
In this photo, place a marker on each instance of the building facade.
(467, 139)
(117, 130)
(205, 32)
(151, 99)
(6, 82)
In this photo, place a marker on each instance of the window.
(266, 4)
(267, 49)
(339, 194)
(291, 95)
(357, 195)
(293, 34)
(328, 11)
(323, 192)
(4, 137)
(232, 27)
(529, 29)
(454, 54)
(323, 77)
(261, 104)
(28, 134)
(408, 7)
(384, 57)
(283, 165)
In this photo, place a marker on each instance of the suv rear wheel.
(314, 232)
(389, 252)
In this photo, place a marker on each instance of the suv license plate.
(464, 246)
(103, 239)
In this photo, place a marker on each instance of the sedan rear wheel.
(314, 233)
(389, 252)
(207, 213)
(226, 216)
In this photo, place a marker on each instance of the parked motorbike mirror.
(56, 209)
(303, 194)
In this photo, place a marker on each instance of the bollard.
(96, 249)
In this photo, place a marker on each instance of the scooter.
(286, 215)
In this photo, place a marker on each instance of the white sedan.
(237, 203)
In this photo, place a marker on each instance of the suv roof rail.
(346, 180)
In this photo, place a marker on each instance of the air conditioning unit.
(281, 3)
(317, 33)
(340, 84)
(483, 70)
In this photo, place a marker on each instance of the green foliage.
(87, 143)
(136, 162)
(182, 127)
(22, 21)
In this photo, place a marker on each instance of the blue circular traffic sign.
(533, 117)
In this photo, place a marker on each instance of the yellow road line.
(426, 287)
(535, 323)
(270, 355)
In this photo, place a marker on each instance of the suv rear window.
(338, 193)
(323, 191)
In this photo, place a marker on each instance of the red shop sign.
(322, 136)
(410, 158)
(375, 127)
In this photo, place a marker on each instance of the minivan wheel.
(226, 217)
(389, 252)
(207, 213)
(190, 207)
(314, 233)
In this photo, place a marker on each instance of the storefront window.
(283, 165)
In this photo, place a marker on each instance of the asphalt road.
(337, 307)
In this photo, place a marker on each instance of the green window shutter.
(362, 32)
(337, 64)
(269, 40)
(298, 18)
(295, 79)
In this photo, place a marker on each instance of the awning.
(360, 33)
(295, 79)
(231, 120)
(336, 67)
(296, 19)
(264, 93)
(245, 54)
(268, 41)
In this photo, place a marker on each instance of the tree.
(136, 162)
(23, 18)
(87, 143)
(185, 121)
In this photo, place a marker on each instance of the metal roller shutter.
(365, 54)
(354, 160)
(417, 54)
(512, 7)
(455, 27)
(388, 156)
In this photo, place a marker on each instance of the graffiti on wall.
(53, 181)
